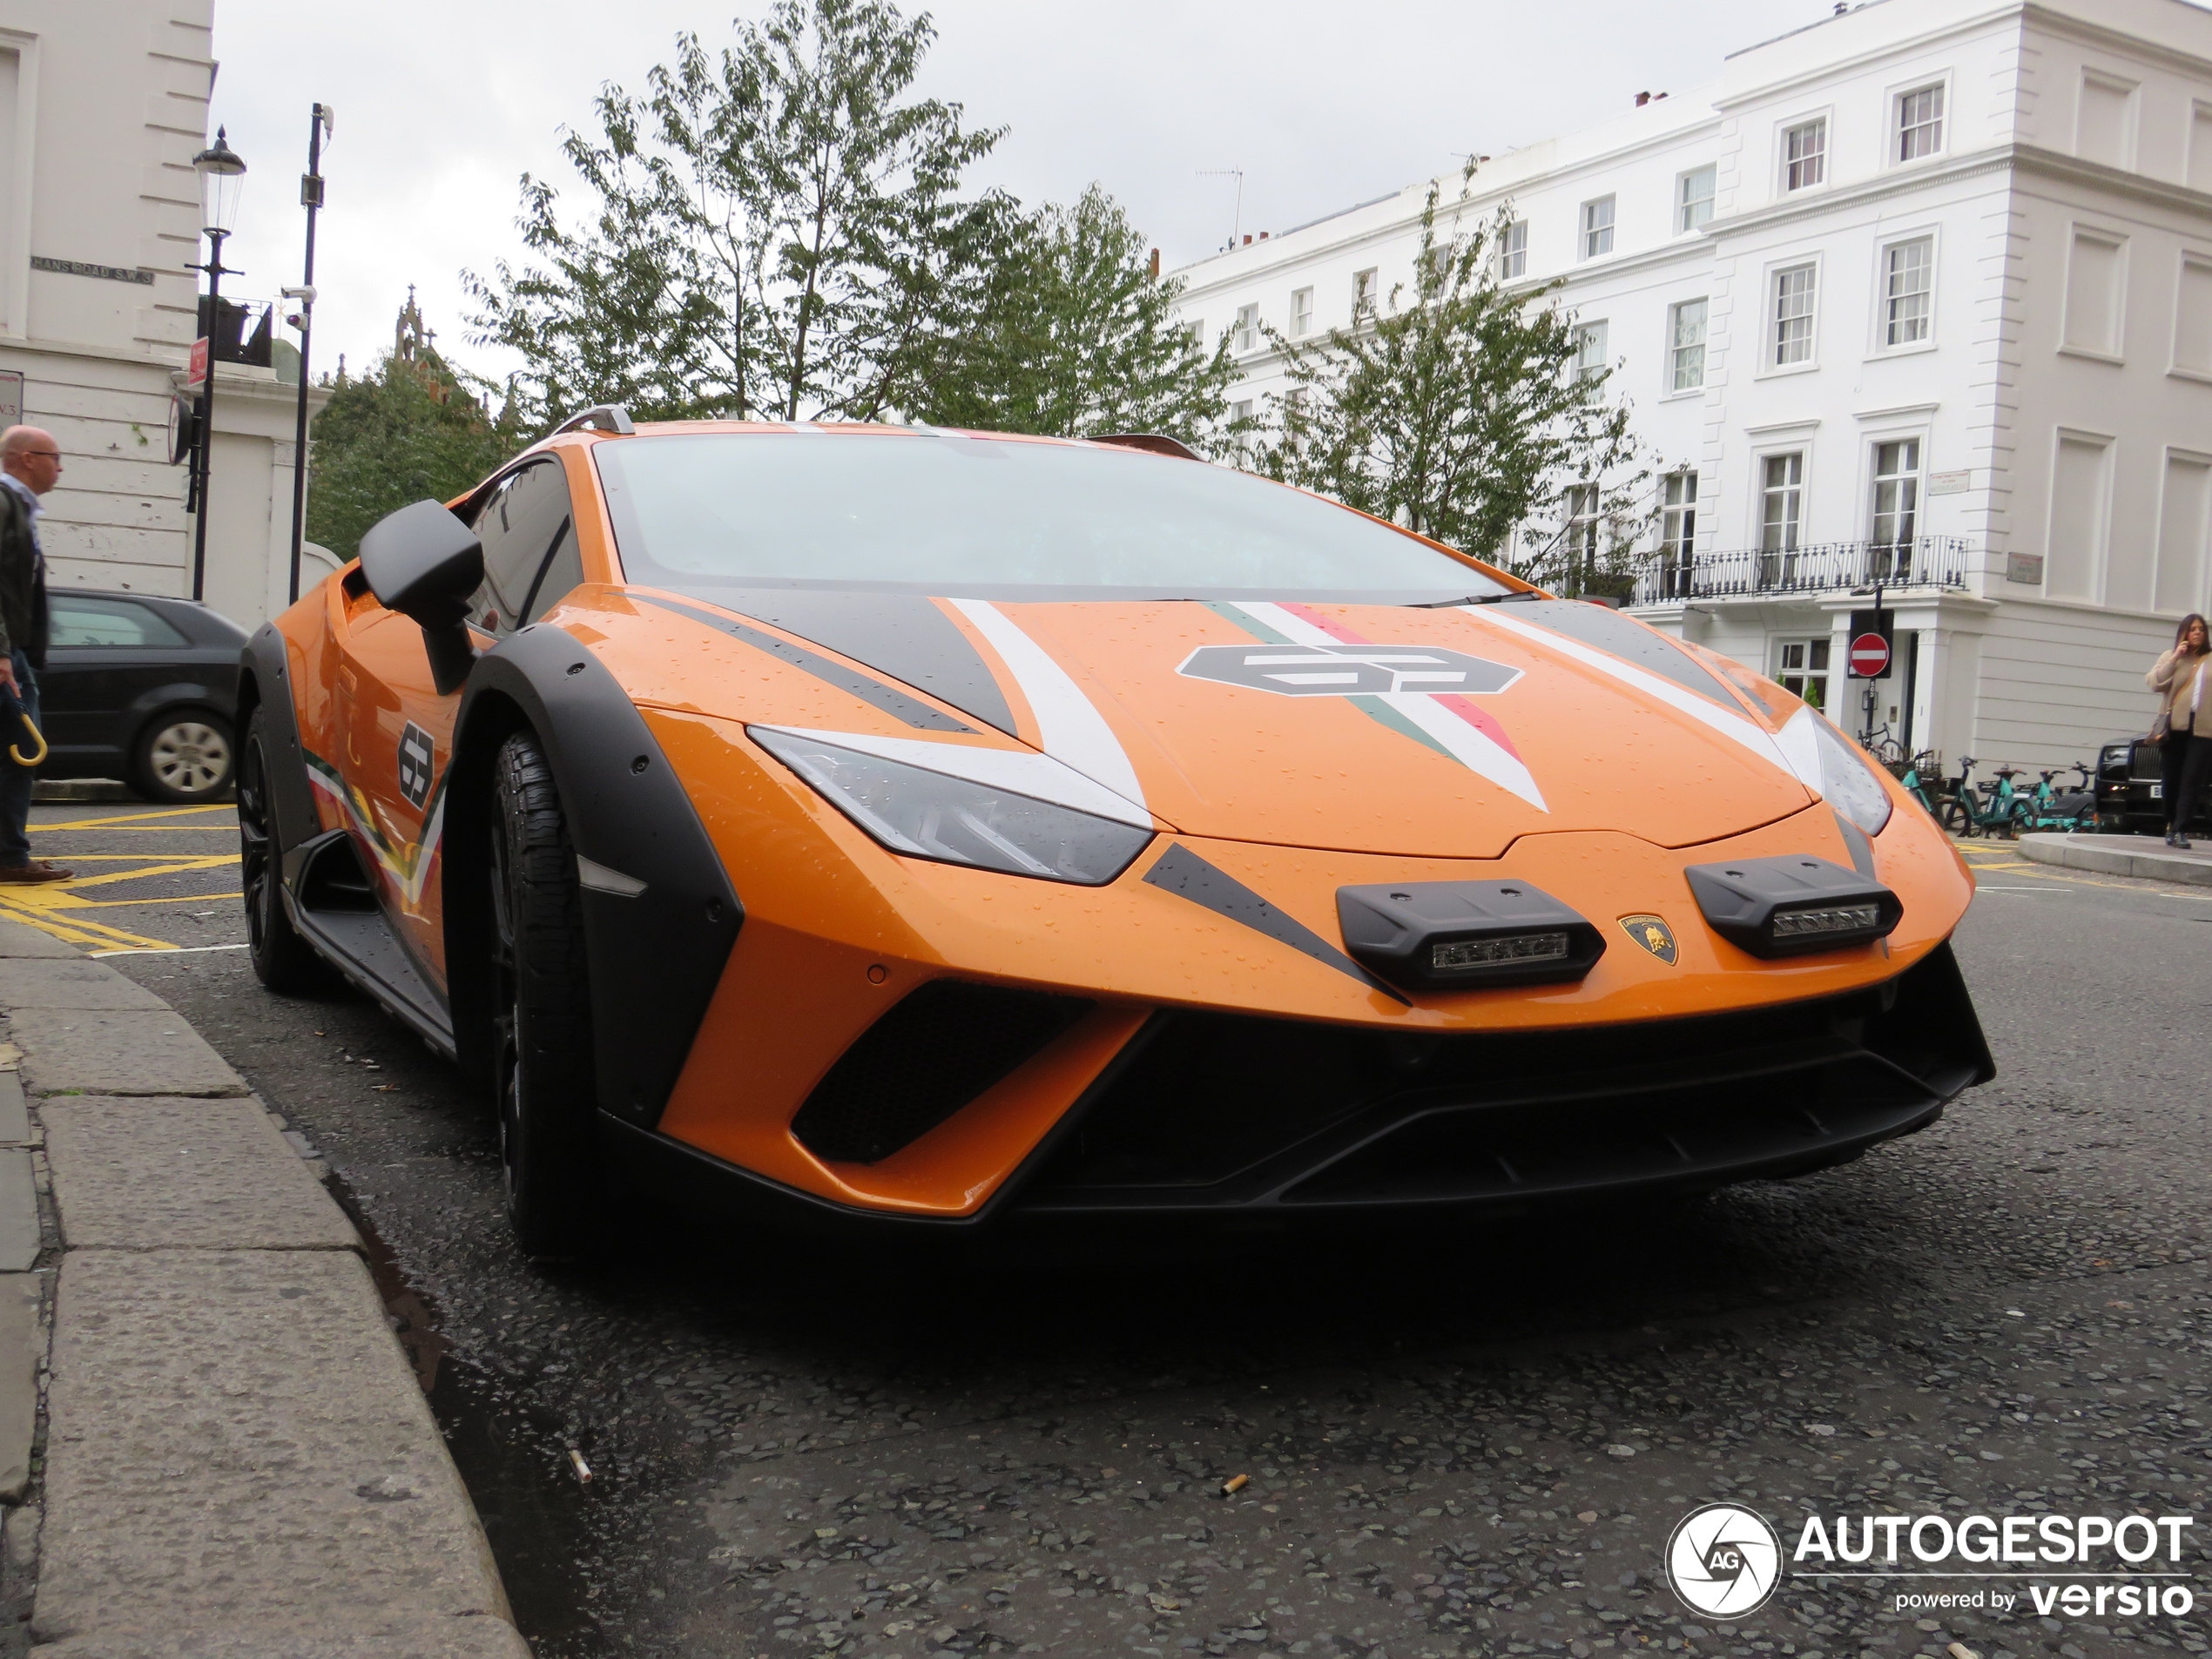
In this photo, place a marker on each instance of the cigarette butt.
(1960, 1651)
(582, 1469)
(1235, 1484)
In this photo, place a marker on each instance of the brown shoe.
(37, 870)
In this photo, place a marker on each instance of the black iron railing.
(1826, 567)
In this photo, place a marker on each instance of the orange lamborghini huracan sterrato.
(926, 828)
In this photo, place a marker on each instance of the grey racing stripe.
(1181, 870)
(889, 698)
(1609, 630)
(904, 635)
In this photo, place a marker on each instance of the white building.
(1922, 290)
(103, 105)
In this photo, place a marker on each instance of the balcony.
(1826, 566)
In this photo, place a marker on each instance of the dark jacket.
(23, 582)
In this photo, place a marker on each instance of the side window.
(80, 619)
(562, 575)
(522, 523)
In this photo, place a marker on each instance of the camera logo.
(1724, 1561)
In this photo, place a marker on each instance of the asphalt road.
(1468, 1444)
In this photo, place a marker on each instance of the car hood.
(1441, 732)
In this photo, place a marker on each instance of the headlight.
(929, 815)
(1847, 781)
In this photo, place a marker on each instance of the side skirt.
(338, 916)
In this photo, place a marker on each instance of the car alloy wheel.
(282, 961)
(186, 759)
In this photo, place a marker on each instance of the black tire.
(1955, 818)
(542, 1071)
(183, 757)
(282, 961)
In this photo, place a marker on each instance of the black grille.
(1218, 1110)
(938, 1049)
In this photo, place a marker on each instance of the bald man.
(31, 464)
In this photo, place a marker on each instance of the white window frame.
(1366, 293)
(2192, 259)
(1894, 124)
(1825, 120)
(1587, 230)
(2078, 231)
(1600, 330)
(1792, 437)
(1825, 673)
(1677, 543)
(1671, 380)
(1770, 318)
(1918, 477)
(1247, 329)
(2131, 137)
(1513, 256)
(1683, 204)
(1879, 345)
(1301, 312)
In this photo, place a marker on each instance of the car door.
(398, 729)
(103, 653)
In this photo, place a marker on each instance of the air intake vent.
(920, 1063)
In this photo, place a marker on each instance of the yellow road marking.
(138, 817)
(126, 904)
(74, 930)
(176, 864)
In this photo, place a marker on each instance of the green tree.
(1075, 336)
(1460, 410)
(412, 427)
(777, 228)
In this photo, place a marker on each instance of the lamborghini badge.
(1653, 934)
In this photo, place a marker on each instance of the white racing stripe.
(1072, 730)
(1469, 745)
(1728, 723)
(1019, 771)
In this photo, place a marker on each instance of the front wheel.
(282, 961)
(542, 1066)
(1956, 820)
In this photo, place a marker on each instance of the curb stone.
(2130, 855)
(236, 1456)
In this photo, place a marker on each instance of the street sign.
(196, 369)
(1868, 655)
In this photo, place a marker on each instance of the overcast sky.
(442, 106)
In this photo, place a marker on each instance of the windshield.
(981, 517)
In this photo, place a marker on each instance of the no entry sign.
(1869, 652)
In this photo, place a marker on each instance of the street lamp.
(222, 180)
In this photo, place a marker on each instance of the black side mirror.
(425, 563)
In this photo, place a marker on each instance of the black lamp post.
(311, 198)
(222, 179)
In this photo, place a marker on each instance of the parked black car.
(140, 689)
(2131, 794)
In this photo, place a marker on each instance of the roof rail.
(600, 417)
(1158, 443)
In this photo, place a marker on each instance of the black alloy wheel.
(282, 961)
(541, 1038)
(183, 757)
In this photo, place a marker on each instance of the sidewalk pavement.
(236, 1458)
(2145, 857)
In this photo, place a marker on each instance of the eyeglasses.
(48, 455)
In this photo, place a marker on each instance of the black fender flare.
(654, 957)
(264, 682)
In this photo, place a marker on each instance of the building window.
(1513, 251)
(1302, 312)
(1198, 334)
(1677, 534)
(1363, 293)
(1919, 123)
(1597, 227)
(1897, 508)
(1782, 506)
(1247, 327)
(1583, 521)
(1793, 296)
(1686, 346)
(1801, 668)
(1693, 198)
(1908, 289)
(1804, 155)
(1591, 350)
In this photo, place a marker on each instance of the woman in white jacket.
(2184, 723)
